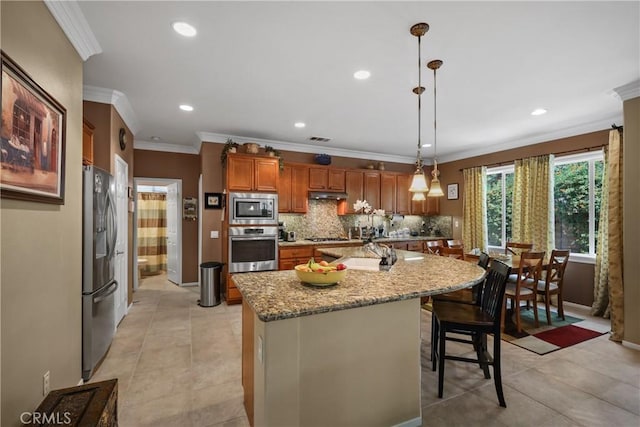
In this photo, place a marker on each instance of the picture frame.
(213, 200)
(452, 191)
(190, 208)
(32, 139)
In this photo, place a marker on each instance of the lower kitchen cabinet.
(291, 256)
(233, 295)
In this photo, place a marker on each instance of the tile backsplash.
(322, 220)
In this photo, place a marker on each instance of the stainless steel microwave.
(253, 209)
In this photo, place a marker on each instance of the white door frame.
(122, 213)
(156, 181)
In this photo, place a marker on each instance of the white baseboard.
(414, 422)
(631, 345)
(81, 381)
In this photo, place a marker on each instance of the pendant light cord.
(419, 155)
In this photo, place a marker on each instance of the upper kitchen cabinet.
(293, 187)
(372, 189)
(431, 206)
(403, 197)
(354, 187)
(324, 178)
(252, 173)
(388, 191)
(87, 142)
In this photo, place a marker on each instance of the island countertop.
(277, 295)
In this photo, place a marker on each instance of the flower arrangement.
(366, 208)
(229, 147)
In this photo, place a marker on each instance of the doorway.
(121, 254)
(158, 230)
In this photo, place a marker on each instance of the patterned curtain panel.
(614, 235)
(533, 203)
(474, 204)
(152, 232)
(600, 306)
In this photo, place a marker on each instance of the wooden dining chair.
(515, 248)
(457, 253)
(474, 321)
(552, 283)
(432, 247)
(454, 243)
(522, 286)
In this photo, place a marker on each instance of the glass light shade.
(417, 197)
(436, 190)
(419, 183)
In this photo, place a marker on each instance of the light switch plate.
(215, 234)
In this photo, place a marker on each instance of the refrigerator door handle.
(110, 289)
(113, 219)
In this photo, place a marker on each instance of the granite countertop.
(277, 295)
(303, 242)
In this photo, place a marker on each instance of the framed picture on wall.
(213, 200)
(452, 191)
(32, 139)
(190, 208)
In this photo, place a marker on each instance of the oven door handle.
(274, 237)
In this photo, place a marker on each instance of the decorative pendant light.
(436, 189)
(419, 182)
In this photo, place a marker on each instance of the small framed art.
(452, 191)
(213, 200)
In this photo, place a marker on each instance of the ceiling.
(255, 68)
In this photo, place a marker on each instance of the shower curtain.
(152, 232)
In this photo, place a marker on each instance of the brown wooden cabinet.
(252, 173)
(293, 189)
(354, 186)
(87, 142)
(431, 206)
(372, 189)
(403, 197)
(325, 178)
(291, 256)
(388, 192)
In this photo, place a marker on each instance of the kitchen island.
(347, 354)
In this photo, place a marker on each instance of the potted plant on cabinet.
(270, 151)
(229, 147)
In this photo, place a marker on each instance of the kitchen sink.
(370, 264)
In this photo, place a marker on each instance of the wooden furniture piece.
(432, 247)
(325, 178)
(291, 256)
(553, 281)
(252, 173)
(93, 404)
(515, 248)
(454, 243)
(475, 321)
(523, 286)
(455, 252)
(87, 142)
(293, 193)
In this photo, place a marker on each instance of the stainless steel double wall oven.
(253, 232)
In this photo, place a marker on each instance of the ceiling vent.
(319, 139)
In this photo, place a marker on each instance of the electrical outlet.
(46, 385)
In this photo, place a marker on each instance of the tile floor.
(178, 364)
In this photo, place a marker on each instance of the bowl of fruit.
(320, 273)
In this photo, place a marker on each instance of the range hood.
(327, 195)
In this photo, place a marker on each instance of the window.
(499, 205)
(577, 197)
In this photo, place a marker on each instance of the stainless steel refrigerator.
(98, 267)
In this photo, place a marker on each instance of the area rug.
(547, 338)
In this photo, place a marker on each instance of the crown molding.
(546, 137)
(303, 148)
(163, 146)
(75, 26)
(117, 99)
(628, 91)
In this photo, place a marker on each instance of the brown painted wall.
(100, 117)
(212, 182)
(156, 164)
(579, 280)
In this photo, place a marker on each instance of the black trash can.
(210, 284)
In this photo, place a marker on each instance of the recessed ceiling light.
(184, 29)
(299, 124)
(155, 138)
(185, 107)
(426, 145)
(538, 112)
(362, 74)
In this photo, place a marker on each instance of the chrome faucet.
(383, 251)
